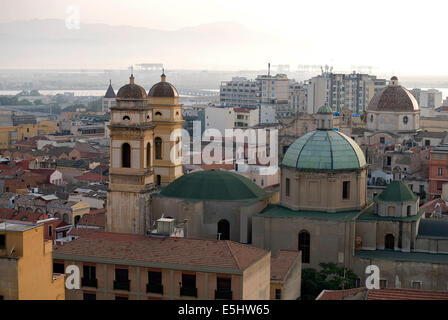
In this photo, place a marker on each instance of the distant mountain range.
(49, 44)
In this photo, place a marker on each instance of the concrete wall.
(256, 279)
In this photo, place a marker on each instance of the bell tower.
(131, 161)
(163, 100)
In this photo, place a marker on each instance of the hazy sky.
(396, 36)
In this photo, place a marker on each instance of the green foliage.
(330, 277)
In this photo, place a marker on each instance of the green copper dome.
(213, 185)
(325, 110)
(324, 150)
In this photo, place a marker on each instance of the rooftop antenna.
(269, 68)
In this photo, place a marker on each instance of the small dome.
(394, 78)
(213, 185)
(325, 110)
(393, 98)
(324, 150)
(163, 89)
(131, 91)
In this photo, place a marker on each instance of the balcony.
(93, 283)
(154, 288)
(223, 294)
(189, 292)
(122, 285)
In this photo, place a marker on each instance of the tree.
(330, 277)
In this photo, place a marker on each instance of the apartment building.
(239, 92)
(26, 264)
(431, 98)
(222, 118)
(438, 170)
(125, 266)
(338, 91)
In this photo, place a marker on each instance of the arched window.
(158, 142)
(148, 155)
(126, 155)
(223, 230)
(358, 243)
(408, 210)
(159, 180)
(389, 242)
(391, 211)
(304, 245)
(126, 118)
(77, 218)
(158, 113)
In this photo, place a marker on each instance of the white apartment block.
(221, 118)
(239, 92)
(339, 91)
(430, 98)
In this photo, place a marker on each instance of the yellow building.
(26, 264)
(12, 134)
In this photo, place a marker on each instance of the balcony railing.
(122, 285)
(93, 283)
(188, 291)
(223, 294)
(154, 288)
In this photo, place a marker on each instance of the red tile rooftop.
(382, 294)
(171, 251)
(282, 263)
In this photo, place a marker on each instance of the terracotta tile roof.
(406, 294)
(341, 294)
(12, 214)
(89, 176)
(178, 251)
(81, 232)
(98, 211)
(433, 206)
(282, 263)
(93, 220)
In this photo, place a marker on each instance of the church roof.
(110, 93)
(131, 91)
(393, 98)
(324, 150)
(397, 191)
(213, 185)
(163, 89)
(325, 110)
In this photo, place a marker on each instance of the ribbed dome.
(324, 150)
(393, 98)
(131, 91)
(325, 110)
(213, 185)
(163, 89)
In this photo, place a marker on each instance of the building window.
(154, 282)
(408, 210)
(304, 245)
(89, 276)
(158, 113)
(126, 155)
(148, 155)
(50, 231)
(122, 281)
(158, 142)
(278, 294)
(223, 288)
(58, 268)
(382, 140)
(405, 119)
(126, 118)
(383, 284)
(287, 182)
(416, 284)
(2, 241)
(223, 230)
(346, 190)
(389, 242)
(121, 298)
(440, 172)
(88, 296)
(427, 143)
(389, 161)
(188, 285)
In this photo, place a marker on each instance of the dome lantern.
(324, 118)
